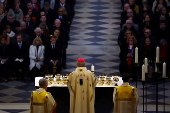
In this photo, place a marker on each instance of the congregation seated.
(122, 31)
(25, 21)
(148, 51)
(153, 32)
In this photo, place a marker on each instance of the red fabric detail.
(147, 49)
(81, 60)
(129, 59)
(35, 6)
(54, 111)
(163, 52)
(34, 19)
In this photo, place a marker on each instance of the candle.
(156, 69)
(164, 70)
(92, 67)
(157, 54)
(136, 55)
(143, 72)
(146, 65)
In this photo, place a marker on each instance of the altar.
(103, 92)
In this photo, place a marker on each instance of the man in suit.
(29, 23)
(53, 55)
(63, 39)
(20, 57)
(30, 26)
(63, 18)
(43, 19)
(11, 22)
(48, 12)
(66, 5)
(29, 6)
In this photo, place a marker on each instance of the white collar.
(40, 90)
(19, 43)
(62, 4)
(125, 84)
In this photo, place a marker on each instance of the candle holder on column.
(137, 73)
(157, 75)
(146, 93)
(143, 83)
(164, 79)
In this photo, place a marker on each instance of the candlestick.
(92, 67)
(136, 55)
(157, 54)
(164, 70)
(146, 65)
(156, 69)
(143, 72)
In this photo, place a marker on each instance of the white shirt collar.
(19, 43)
(62, 4)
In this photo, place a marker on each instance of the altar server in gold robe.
(81, 84)
(42, 101)
(125, 97)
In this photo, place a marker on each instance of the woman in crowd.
(36, 55)
(56, 33)
(127, 56)
(17, 12)
(147, 23)
(32, 15)
(157, 4)
(148, 51)
(45, 30)
(122, 42)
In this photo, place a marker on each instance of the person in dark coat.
(4, 59)
(20, 57)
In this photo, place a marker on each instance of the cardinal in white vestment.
(42, 101)
(125, 97)
(81, 84)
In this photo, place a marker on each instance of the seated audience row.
(144, 25)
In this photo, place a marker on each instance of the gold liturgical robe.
(125, 99)
(81, 84)
(42, 102)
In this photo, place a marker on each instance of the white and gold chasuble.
(81, 84)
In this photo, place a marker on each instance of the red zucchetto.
(80, 60)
